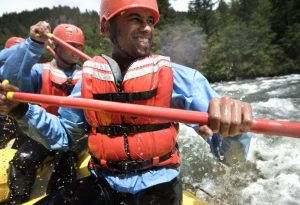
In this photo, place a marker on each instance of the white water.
(272, 173)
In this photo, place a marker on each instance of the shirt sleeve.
(18, 67)
(191, 91)
(56, 132)
(4, 54)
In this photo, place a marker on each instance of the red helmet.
(13, 41)
(109, 8)
(69, 33)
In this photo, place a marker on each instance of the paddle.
(68, 46)
(51, 51)
(263, 126)
(65, 45)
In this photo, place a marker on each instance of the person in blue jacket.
(10, 42)
(121, 170)
(57, 77)
(8, 127)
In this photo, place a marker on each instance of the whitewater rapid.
(272, 173)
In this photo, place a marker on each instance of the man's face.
(68, 56)
(132, 32)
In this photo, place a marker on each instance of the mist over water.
(272, 173)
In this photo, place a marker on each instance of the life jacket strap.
(130, 129)
(128, 166)
(66, 86)
(126, 96)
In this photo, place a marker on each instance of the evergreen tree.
(242, 48)
(285, 22)
(167, 13)
(201, 13)
(239, 39)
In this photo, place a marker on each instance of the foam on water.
(283, 189)
(272, 173)
(276, 108)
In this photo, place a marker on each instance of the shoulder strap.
(115, 70)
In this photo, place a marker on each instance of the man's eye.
(135, 19)
(151, 21)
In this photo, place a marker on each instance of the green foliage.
(242, 43)
(239, 39)
(19, 24)
(238, 52)
(201, 13)
(285, 22)
(167, 13)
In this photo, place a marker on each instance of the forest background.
(225, 40)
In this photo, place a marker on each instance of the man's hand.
(38, 31)
(7, 106)
(228, 117)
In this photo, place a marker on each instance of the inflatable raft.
(6, 156)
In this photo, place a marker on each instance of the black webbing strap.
(132, 165)
(115, 68)
(126, 96)
(66, 86)
(130, 129)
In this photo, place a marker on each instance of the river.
(271, 174)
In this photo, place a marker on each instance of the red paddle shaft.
(68, 46)
(51, 51)
(263, 126)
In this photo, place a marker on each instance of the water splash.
(272, 173)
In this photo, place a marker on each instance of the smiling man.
(134, 160)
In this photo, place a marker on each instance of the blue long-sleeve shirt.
(17, 67)
(191, 91)
(4, 54)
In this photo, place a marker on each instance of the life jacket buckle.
(129, 166)
(155, 160)
(66, 86)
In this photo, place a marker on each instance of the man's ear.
(105, 28)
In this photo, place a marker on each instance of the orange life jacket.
(55, 82)
(117, 141)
